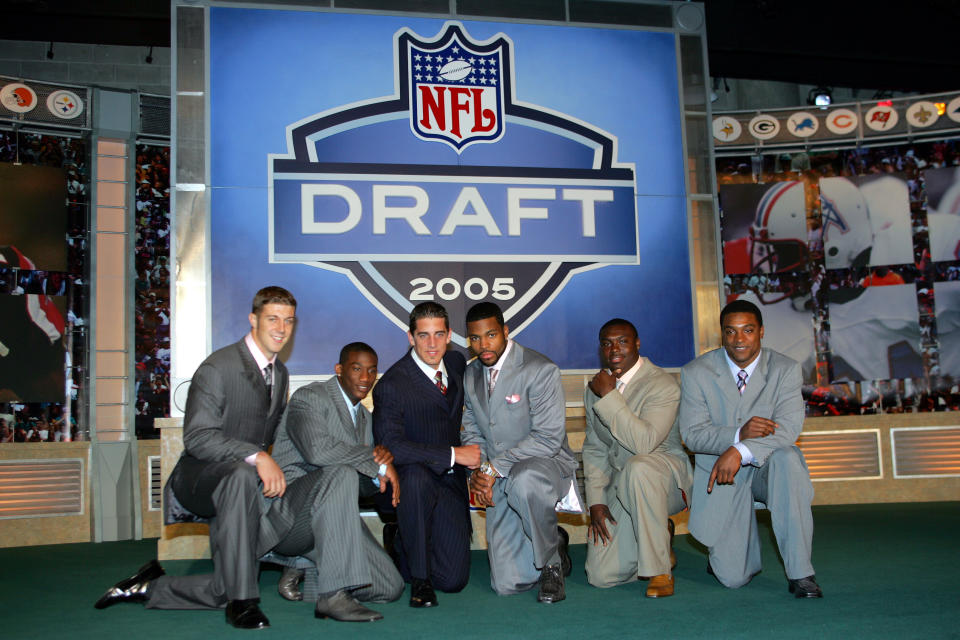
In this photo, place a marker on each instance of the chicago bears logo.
(399, 194)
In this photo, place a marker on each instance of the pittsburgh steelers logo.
(64, 104)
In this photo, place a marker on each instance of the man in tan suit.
(636, 471)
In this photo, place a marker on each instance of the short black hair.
(615, 322)
(272, 295)
(428, 310)
(742, 306)
(484, 310)
(354, 347)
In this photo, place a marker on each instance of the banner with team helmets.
(371, 162)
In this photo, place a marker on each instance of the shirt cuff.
(453, 457)
(252, 459)
(745, 456)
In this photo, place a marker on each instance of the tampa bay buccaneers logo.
(450, 189)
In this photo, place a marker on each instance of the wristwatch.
(487, 469)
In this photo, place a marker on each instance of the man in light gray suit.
(324, 443)
(635, 468)
(515, 410)
(741, 413)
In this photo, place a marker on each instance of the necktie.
(440, 385)
(268, 379)
(741, 381)
(493, 382)
(620, 385)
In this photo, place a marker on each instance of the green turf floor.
(887, 571)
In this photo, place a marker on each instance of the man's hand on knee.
(599, 514)
(725, 468)
(271, 475)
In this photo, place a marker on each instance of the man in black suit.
(234, 404)
(417, 407)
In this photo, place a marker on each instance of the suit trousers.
(522, 535)
(783, 484)
(329, 531)
(646, 495)
(230, 494)
(433, 519)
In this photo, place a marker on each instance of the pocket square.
(513, 399)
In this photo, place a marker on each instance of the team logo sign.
(726, 128)
(881, 118)
(451, 190)
(803, 124)
(842, 121)
(764, 127)
(64, 104)
(456, 91)
(18, 97)
(922, 114)
(953, 109)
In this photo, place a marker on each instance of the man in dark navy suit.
(418, 405)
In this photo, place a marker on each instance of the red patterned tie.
(440, 385)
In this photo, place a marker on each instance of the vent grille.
(36, 488)
(154, 115)
(842, 455)
(156, 488)
(925, 452)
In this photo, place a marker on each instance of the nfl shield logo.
(456, 88)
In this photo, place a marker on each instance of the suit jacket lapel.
(250, 369)
(758, 380)
(427, 387)
(509, 373)
(346, 421)
(725, 380)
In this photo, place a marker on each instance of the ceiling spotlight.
(820, 96)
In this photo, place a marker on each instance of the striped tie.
(741, 381)
(440, 385)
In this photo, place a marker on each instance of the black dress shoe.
(289, 585)
(132, 589)
(805, 588)
(344, 607)
(422, 594)
(551, 584)
(245, 614)
(563, 550)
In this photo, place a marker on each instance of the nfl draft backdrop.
(371, 162)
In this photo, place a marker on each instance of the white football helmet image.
(847, 233)
(888, 200)
(779, 230)
(944, 224)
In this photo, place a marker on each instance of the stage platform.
(887, 571)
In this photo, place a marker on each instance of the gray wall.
(88, 64)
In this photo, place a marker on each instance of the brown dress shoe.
(660, 586)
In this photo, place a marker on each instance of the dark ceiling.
(864, 44)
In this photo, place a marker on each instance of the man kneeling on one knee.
(324, 446)
(741, 413)
(636, 472)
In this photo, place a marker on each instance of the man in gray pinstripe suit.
(234, 404)
(323, 444)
